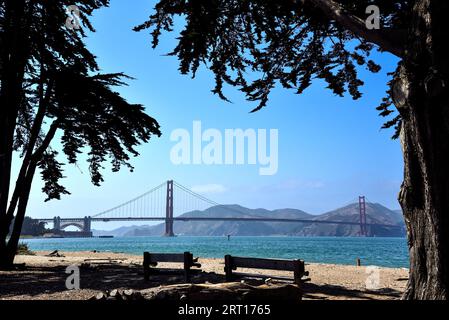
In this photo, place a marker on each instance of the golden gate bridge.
(161, 204)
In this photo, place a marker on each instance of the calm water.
(388, 252)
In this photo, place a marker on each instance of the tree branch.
(392, 41)
(37, 155)
(34, 135)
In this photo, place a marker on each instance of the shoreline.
(138, 258)
(46, 276)
(234, 236)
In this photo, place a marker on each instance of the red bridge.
(158, 205)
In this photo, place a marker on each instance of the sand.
(44, 277)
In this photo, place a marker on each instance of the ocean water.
(386, 252)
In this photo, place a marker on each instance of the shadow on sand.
(35, 281)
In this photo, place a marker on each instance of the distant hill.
(119, 232)
(376, 214)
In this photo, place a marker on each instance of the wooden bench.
(150, 260)
(232, 263)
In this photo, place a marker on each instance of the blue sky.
(331, 149)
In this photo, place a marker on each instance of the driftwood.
(16, 267)
(55, 254)
(231, 291)
(105, 260)
(119, 295)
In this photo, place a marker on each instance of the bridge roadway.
(255, 219)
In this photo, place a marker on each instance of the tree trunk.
(13, 55)
(13, 59)
(421, 95)
(11, 249)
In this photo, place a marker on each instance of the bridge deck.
(150, 206)
(261, 219)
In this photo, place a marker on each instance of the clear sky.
(331, 149)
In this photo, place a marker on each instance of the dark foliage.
(62, 74)
(255, 45)
(32, 227)
(51, 88)
(22, 249)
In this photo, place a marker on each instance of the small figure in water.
(229, 237)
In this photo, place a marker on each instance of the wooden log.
(105, 259)
(99, 296)
(231, 291)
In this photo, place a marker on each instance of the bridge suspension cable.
(153, 203)
(149, 203)
(205, 200)
(188, 201)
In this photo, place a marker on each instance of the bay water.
(385, 252)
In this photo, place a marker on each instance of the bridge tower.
(87, 224)
(57, 224)
(169, 210)
(362, 212)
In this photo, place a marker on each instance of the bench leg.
(146, 266)
(188, 261)
(299, 272)
(228, 268)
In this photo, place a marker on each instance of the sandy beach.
(44, 277)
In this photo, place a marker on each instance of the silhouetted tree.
(32, 227)
(50, 86)
(292, 42)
